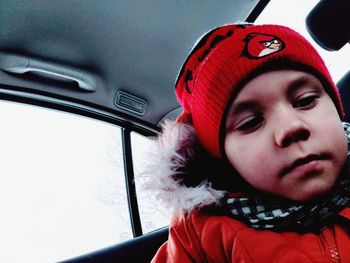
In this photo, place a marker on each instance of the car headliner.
(133, 46)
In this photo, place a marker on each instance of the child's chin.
(313, 189)
(311, 195)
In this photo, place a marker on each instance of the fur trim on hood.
(173, 150)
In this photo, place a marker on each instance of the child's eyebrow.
(299, 82)
(291, 86)
(243, 106)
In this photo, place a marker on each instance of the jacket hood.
(165, 172)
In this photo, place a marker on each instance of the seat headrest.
(329, 23)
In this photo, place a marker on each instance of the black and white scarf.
(282, 215)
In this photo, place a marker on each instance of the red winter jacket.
(203, 238)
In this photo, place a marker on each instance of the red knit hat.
(226, 58)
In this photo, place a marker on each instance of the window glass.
(153, 214)
(62, 191)
(293, 14)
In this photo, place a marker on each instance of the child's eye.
(250, 124)
(306, 102)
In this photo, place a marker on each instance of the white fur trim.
(164, 163)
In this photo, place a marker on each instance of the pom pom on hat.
(226, 58)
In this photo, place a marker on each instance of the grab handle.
(21, 64)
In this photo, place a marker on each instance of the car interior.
(116, 62)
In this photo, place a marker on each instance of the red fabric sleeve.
(182, 246)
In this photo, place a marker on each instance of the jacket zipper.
(329, 245)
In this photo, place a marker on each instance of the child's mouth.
(305, 164)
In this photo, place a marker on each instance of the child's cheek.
(262, 163)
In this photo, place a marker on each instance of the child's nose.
(291, 130)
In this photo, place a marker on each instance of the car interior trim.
(130, 184)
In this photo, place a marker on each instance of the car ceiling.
(132, 46)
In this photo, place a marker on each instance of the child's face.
(284, 135)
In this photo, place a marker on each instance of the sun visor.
(329, 23)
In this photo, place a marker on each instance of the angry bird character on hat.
(260, 45)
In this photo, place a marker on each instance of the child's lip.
(304, 160)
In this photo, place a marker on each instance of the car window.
(62, 190)
(153, 214)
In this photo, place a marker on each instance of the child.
(255, 166)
